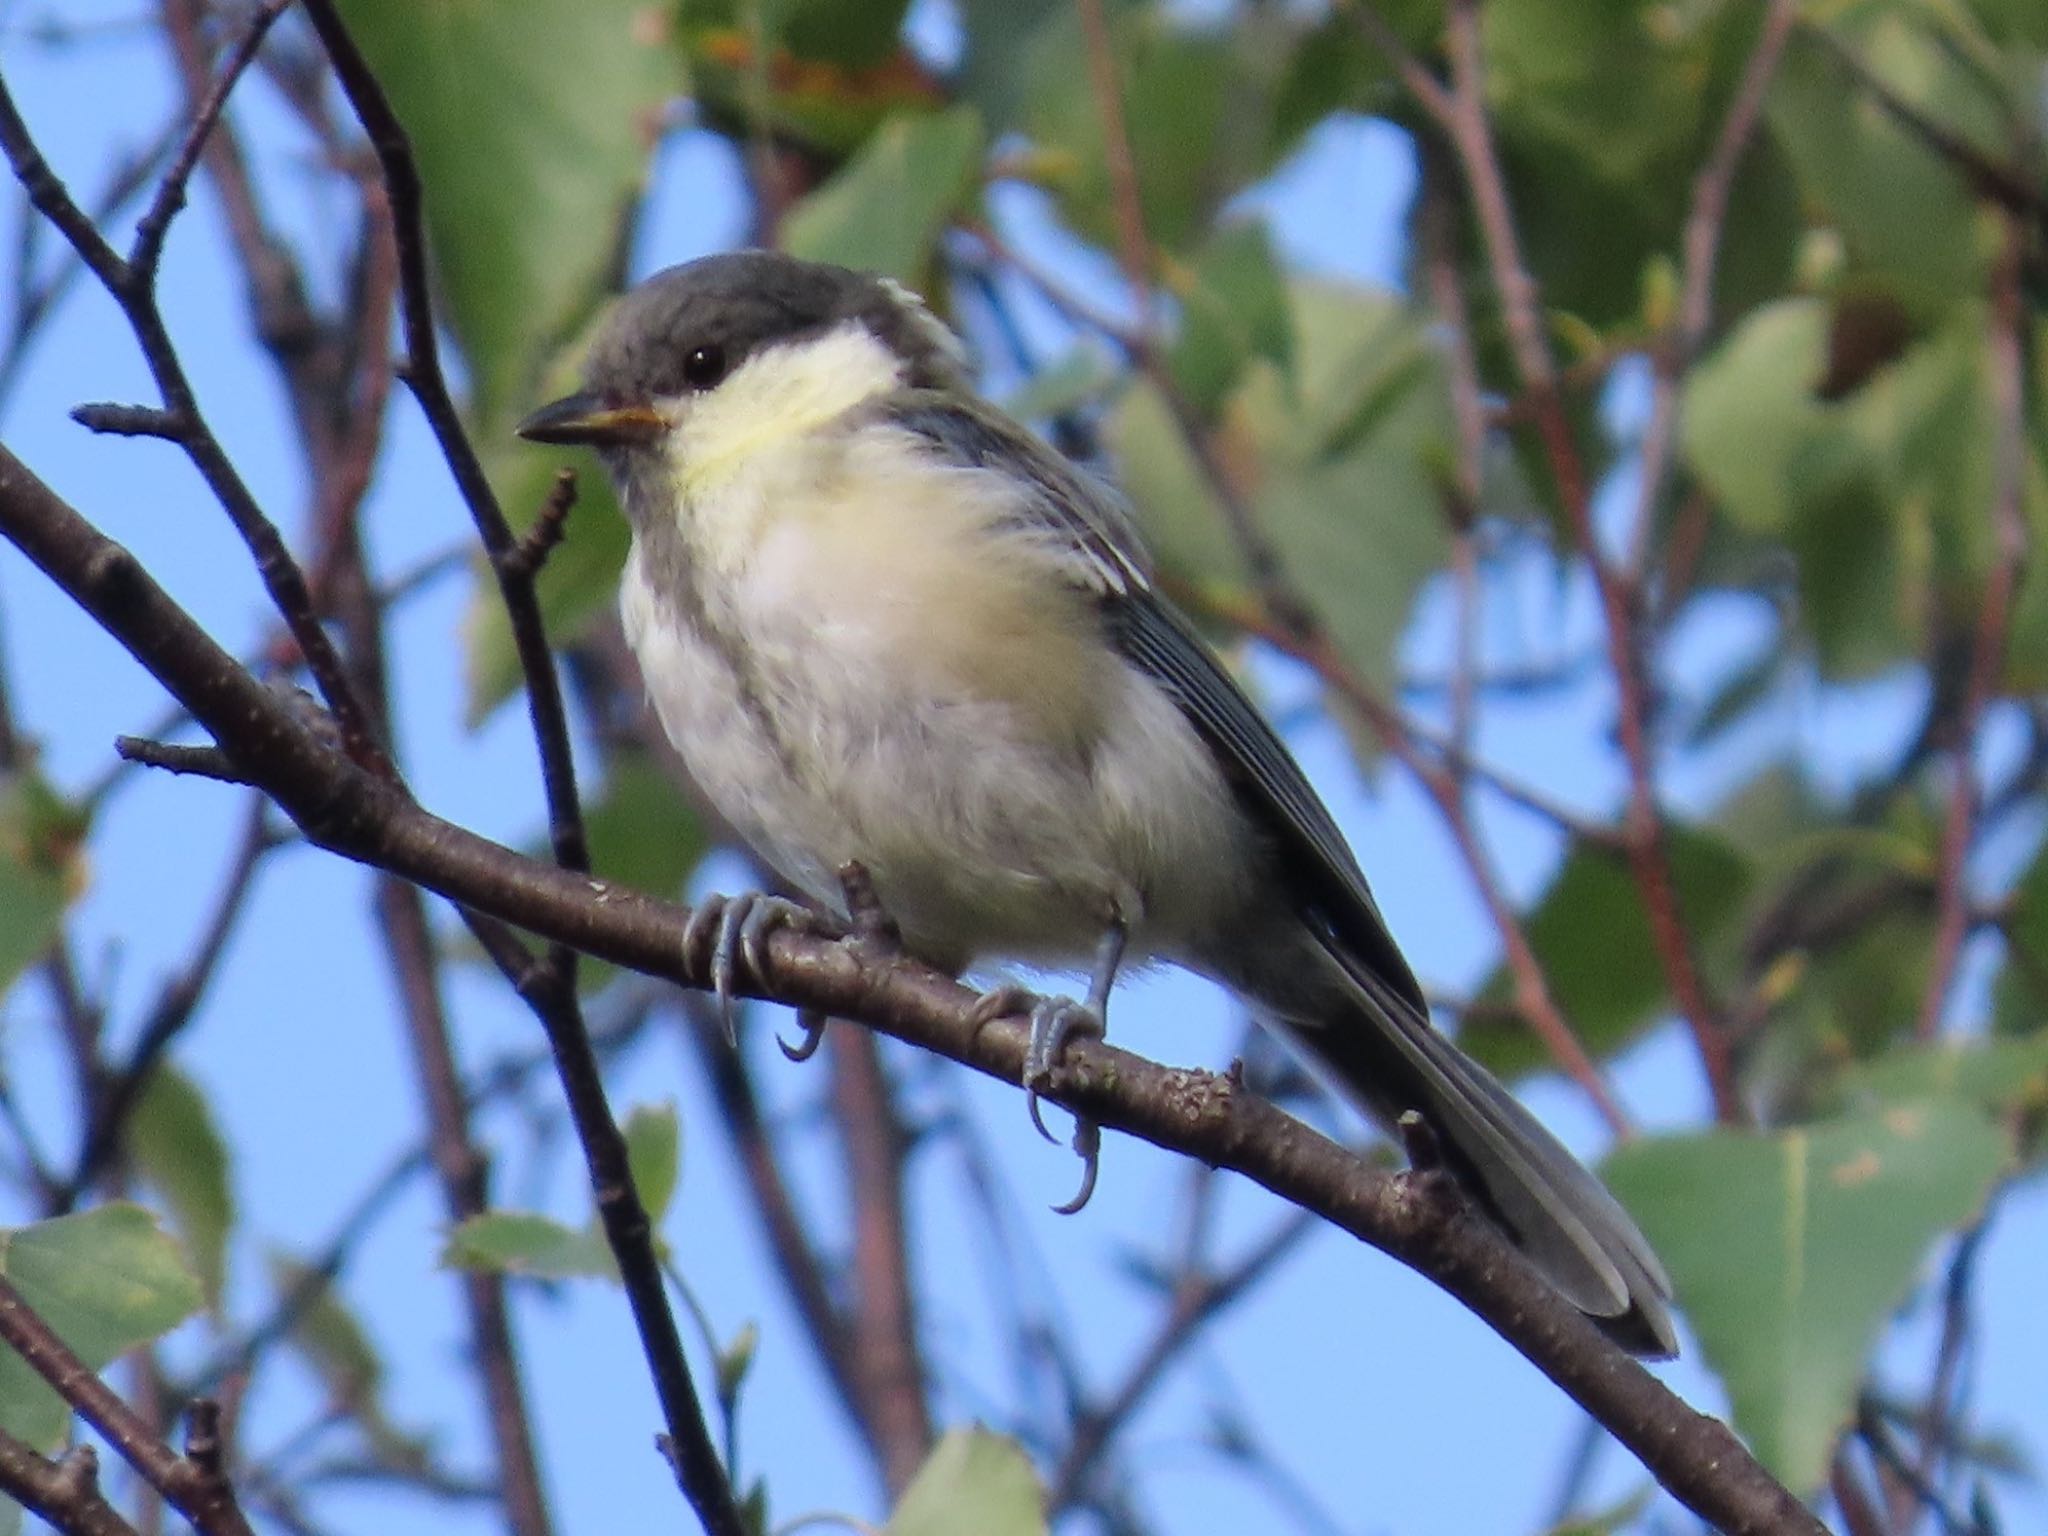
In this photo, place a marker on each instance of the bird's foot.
(737, 929)
(1054, 1021)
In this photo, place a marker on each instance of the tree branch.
(1421, 1221)
(195, 1491)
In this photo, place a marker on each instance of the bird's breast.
(858, 661)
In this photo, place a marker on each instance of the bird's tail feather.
(1393, 1060)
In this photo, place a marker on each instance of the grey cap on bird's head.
(686, 328)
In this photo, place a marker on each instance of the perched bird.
(883, 622)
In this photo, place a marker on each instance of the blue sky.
(1380, 1394)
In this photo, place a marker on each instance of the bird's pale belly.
(981, 838)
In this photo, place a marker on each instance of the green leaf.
(642, 832)
(1195, 104)
(525, 1243)
(973, 1480)
(1901, 211)
(177, 1148)
(654, 1153)
(884, 211)
(2020, 1001)
(1790, 1250)
(335, 1346)
(1233, 310)
(1591, 934)
(734, 1361)
(1750, 410)
(532, 123)
(1612, 1520)
(42, 869)
(106, 1280)
(579, 582)
(1994, 1075)
(522, 1243)
(835, 70)
(1603, 111)
(1335, 464)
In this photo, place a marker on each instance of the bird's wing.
(1270, 785)
(1089, 518)
(1075, 509)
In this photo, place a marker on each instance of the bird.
(885, 623)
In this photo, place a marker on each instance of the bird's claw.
(1054, 1021)
(737, 928)
(813, 1025)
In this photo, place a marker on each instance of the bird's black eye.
(704, 366)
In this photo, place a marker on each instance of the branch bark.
(1418, 1219)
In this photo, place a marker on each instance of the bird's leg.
(1054, 1021)
(737, 928)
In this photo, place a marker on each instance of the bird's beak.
(585, 418)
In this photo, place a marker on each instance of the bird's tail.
(1392, 1060)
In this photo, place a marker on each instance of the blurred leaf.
(1196, 102)
(1603, 110)
(1902, 212)
(835, 70)
(734, 1361)
(1077, 380)
(1591, 934)
(993, 71)
(1736, 694)
(178, 1149)
(329, 1337)
(642, 831)
(856, 33)
(918, 168)
(42, 868)
(532, 123)
(1750, 409)
(105, 1280)
(334, 1345)
(1233, 310)
(1994, 1075)
(1790, 1250)
(973, 1480)
(1335, 468)
(522, 1243)
(579, 581)
(2020, 1001)
(1610, 1521)
(525, 1243)
(654, 1152)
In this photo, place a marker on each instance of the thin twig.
(1704, 222)
(1994, 614)
(882, 1322)
(282, 578)
(1462, 118)
(146, 255)
(65, 1492)
(1199, 1300)
(1422, 1222)
(175, 1007)
(204, 1500)
(429, 386)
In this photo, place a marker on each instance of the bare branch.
(198, 1495)
(1987, 647)
(1420, 1221)
(65, 1492)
